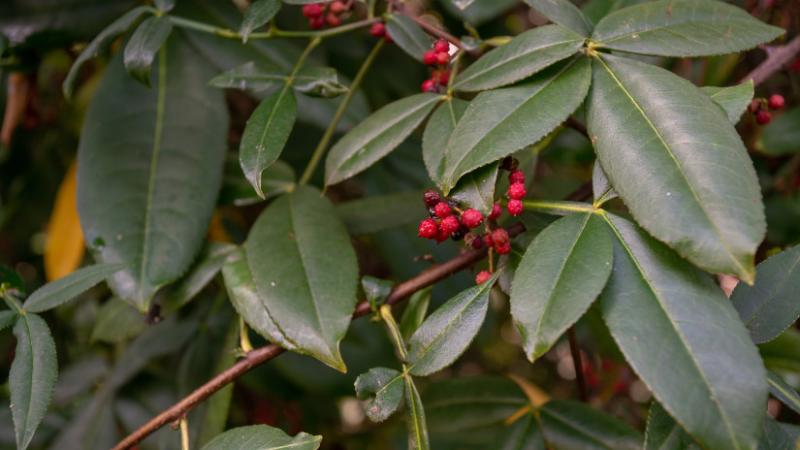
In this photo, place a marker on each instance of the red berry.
(516, 177)
(442, 58)
(428, 86)
(442, 210)
(482, 277)
(441, 76)
(428, 229)
(333, 20)
(500, 236)
(516, 191)
(476, 242)
(776, 101)
(763, 117)
(388, 38)
(378, 29)
(442, 45)
(796, 65)
(496, 212)
(317, 22)
(431, 198)
(487, 240)
(449, 225)
(338, 7)
(754, 105)
(471, 218)
(441, 236)
(515, 207)
(312, 10)
(502, 249)
(429, 58)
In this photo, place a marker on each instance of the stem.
(577, 363)
(777, 58)
(271, 33)
(244, 337)
(12, 302)
(559, 207)
(301, 60)
(337, 116)
(206, 28)
(394, 332)
(184, 434)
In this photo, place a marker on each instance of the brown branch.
(577, 363)
(777, 59)
(438, 32)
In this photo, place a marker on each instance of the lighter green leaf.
(262, 437)
(602, 191)
(319, 82)
(563, 271)
(65, 289)
(564, 13)
(376, 136)
(437, 132)
(476, 189)
(258, 14)
(525, 55)
(408, 35)
(733, 100)
(415, 312)
(265, 135)
(781, 390)
(663, 433)
(143, 46)
(415, 417)
(682, 28)
(376, 290)
(252, 76)
(32, 377)
(573, 425)
(381, 212)
(382, 390)
(782, 135)
(446, 333)
(7, 318)
(662, 311)
(702, 196)
(497, 123)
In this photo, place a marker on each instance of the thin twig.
(438, 32)
(777, 59)
(578, 364)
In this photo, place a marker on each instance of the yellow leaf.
(63, 251)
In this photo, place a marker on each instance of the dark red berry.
(449, 225)
(428, 229)
(431, 198)
(442, 210)
(471, 218)
(441, 76)
(515, 207)
(428, 86)
(337, 7)
(516, 176)
(482, 277)
(776, 101)
(459, 234)
(317, 22)
(442, 45)
(333, 20)
(312, 10)
(516, 191)
(487, 240)
(429, 58)
(476, 242)
(763, 117)
(378, 30)
(496, 212)
(442, 58)
(503, 249)
(795, 64)
(500, 236)
(754, 105)
(509, 163)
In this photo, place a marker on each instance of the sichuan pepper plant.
(577, 162)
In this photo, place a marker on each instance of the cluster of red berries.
(321, 14)
(760, 107)
(438, 57)
(446, 220)
(378, 30)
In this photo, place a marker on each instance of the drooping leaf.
(781, 390)
(733, 99)
(602, 191)
(262, 437)
(663, 433)
(265, 135)
(525, 55)
(376, 136)
(570, 424)
(100, 44)
(563, 271)
(437, 132)
(305, 272)
(682, 28)
(32, 377)
(143, 46)
(415, 312)
(382, 389)
(782, 135)
(564, 13)
(65, 289)
(117, 321)
(770, 305)
(148, 181)
(702, 196)
(252, 76)
(319, 82)
(408, 35)
(446, 333)
(477, 189)
(258, 14)
(659, 309)
(381, 212)
(415, 417)
(497, 123)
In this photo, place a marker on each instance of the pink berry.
(503, 249)
(487, 240)
(500, 236)
(754, 105)
(515, 207)
(471, 218)
(482, 277)
(516, 191)
(378, 30)
(776, 101)
(333, 20)
(516, 176)
(449, 225)
(496, 212)
(442, 58)
(428, 229)
(442, 210)
(428, 86)
(429, 58)
(431, 198)
(312, 10)
(337, 7)
(763, 117)
(442, 45)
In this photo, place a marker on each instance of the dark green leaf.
(659, 309)
(781, 390)
(783, 352)
(279, 178)
(462, 404)
(498, 123)
(782, 135)
(376, 136)
(251, 76)
(602, 191)
(32, 377)
(573, 425)
(564, 13)
(525, 55)
(663, 433)
(382, 389)
(262, 437)
(415, 417)
(563, 271)
(100, 44)
(117, 321)
(319, 82)
(65, 289)
(305, 272)
(776, 437)
(682, 28)
(149, 172)
(476, 189)
(702, 196)
(381, 212)
(476, 12)
(733, 100)
(265, 135)
(258, 14)
(205, 269)
(446, 333)
(415, 312)
(408, 35)
(7, 318)
(376, 290)
(770, 305)
(144, 44)
(437, 132)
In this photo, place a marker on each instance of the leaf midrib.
(264, 131)
(27, 417)
(577, 427)
(667, 28)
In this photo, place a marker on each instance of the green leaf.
(252, 76)
(415, 312)
(783, 352)
(733, 100)
(143, 46)
(574, 425)
(562, 273)
(381, 212)
(602, 191)
(702, 196)
(497, 123)
(262, 437)
(32, 377)
(682, 28)
(7, 318)
(65, 289)
(660, 309)
(305, 272)
(415, 417)
(437, 132)
(663, 433)
(376, 290)
(770, 306)
(408, 35)
(207, 266)
(776, 437)
(477, 12)
(477, 189)
(564, 13)
(446, 333)
(377, 136)
(782, 135)
(319, 82)
(781, 390)
(100, 44)
(265, 135)
(149, 172)
(258, 14)
(117, 321)
(382, 389)
(525, 55)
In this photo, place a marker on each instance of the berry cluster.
(439, 58)
(378, 30)
(321, 14)
(760, 107)
(446, 220)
